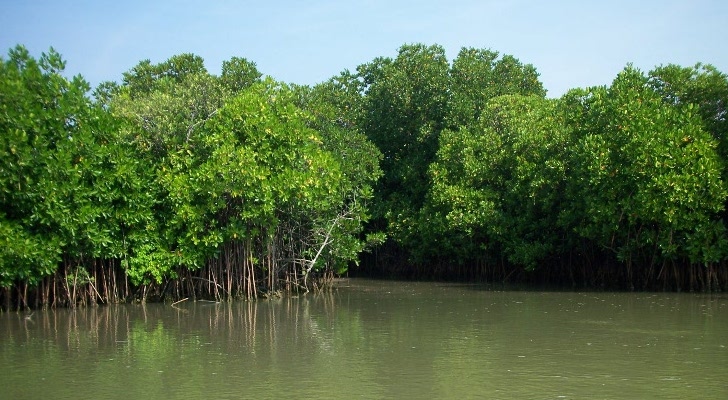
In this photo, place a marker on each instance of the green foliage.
(405, 102)
(701, 86)
(149, 263)
(293, 183)
(408, 103)
(239, 74)
(145, 76)
(405, 106)
(235, 159)
(497, 185)
(165, 109)
(166, 119)
(43, 115)
(478, 75)
(645, 176)
(333, 106)
(25, 256)
(173, 167)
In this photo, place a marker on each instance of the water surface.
(377, 339)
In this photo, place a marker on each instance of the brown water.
(375, 339)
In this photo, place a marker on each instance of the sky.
(572, 44)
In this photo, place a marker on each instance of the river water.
(377, 339)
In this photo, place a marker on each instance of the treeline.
(179, 183)
(484, 177)
(174, 183)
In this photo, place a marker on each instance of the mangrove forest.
(174, 183)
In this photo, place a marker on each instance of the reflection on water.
(372, 339)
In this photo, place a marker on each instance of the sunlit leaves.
(334, 106)
(478, 75)
(61, 179)
(499, 181)
(409, 103)
(646, 176)
(239, 74)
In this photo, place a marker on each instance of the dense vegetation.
(179, 183)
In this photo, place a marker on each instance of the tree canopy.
(178, 182)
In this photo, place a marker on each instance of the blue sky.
(571, 43)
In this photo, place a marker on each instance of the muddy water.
(377, 339)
